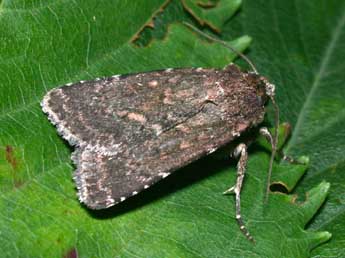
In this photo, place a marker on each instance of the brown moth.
(130, 131)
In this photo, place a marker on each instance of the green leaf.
(214, 14)
(48, 44)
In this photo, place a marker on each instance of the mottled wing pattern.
(131, 131)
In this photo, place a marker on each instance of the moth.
(130, 131)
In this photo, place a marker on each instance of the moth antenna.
(270, 91)
(224, 44)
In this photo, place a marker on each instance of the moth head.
(263, 89)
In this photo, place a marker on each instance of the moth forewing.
(131, 131)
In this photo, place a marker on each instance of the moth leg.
(240, 151)
(266, 133)
(268, 136)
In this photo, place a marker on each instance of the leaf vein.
(317, 81)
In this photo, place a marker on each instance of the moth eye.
(261, 92)
(261, 100)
